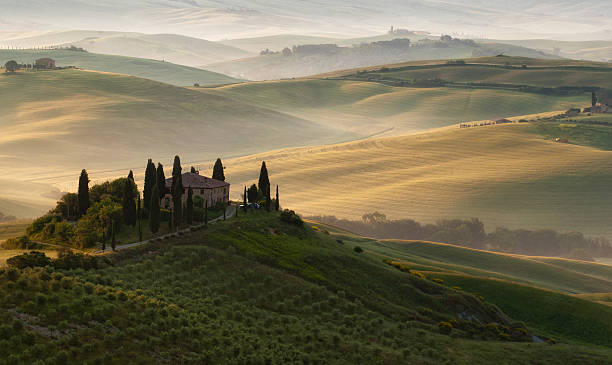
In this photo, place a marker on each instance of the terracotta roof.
(196, 181)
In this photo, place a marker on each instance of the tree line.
(471, 233)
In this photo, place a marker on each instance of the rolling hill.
(586, 50)
(314, 59)
(151, 69)
(172, 48)
(66, 120)
(273, 291)
(60, 109)
(506, 175)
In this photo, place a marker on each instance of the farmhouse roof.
(197, 181)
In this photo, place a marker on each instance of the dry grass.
(501, 174)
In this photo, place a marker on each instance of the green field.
(582, 130)
(499, 70)
(530, 289)
(150, 69)
(254, 289)
(372, 107)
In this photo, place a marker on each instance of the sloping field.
(151, 69)
(503, 175)
(59, 122)
(529, 289)
(372, 107)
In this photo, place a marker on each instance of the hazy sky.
(218, 19)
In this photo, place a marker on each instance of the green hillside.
(312, 59)
(255, 289)
(151, 69)
(354, 105)
(498, 70)
(530, 289)
(585, 50)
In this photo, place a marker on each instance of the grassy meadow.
(157, 70)
(256, 289)
(371, 107)
(505, 175)
(13, 229)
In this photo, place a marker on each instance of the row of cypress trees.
(263, 188)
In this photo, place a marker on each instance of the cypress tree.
(177, 191)
(83, 195)
(264, 181)
(131, 177)
(176, 167)
(244, 200)
(193, 170)
(218, 173)
(593, 99)
(161, 180)
(138, 214)
(129, 206)
(189, 207)
(149, 182)
(154, 211)
(177, 198)
(277, 204)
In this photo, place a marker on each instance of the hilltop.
(310, 59)
(172, 48)
(257, 289)
(151, 69)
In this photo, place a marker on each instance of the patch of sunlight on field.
(370, 107)
(500, 174)
(7, 254)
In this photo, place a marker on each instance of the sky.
(226, 19)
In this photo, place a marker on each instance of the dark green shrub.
(358, 249)
(29, 259)
(289, 216)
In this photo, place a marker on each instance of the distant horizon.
(232, 19)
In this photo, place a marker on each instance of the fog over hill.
(214, 20)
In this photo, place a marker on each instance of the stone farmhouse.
(45, 63)
(211, 190)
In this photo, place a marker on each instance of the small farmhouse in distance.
(45, 63)
(211, 190)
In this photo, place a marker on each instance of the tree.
(189, 207)
(218, 173)
(244, 199)
(252, 194)
(176, 167)
(131, 177)
(149, 181)
(83, 195)
(593, 99)
(193, 170)
(177, 198)
(161, 180)
(276, 203)
(154, 211)
(128, 204)
(177, 191)
(264, 181)
(138, 214)
(11, 66)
